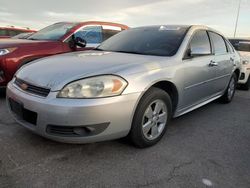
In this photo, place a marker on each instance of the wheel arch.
(237, 72)
(171, 89)
(168, 87)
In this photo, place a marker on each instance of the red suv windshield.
(53, 32)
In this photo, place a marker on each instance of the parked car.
(243, 47)
(7, 32)
(23, 35)
(131, 85)
(55, 39)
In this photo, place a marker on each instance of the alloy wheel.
(154, 119)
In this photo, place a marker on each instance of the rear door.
(199, 76)
(223, 62)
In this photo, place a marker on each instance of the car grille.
(40, 91)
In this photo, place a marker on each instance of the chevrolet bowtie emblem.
(24, 86)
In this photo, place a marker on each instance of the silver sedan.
(131, 85)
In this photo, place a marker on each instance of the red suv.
(55, 39)
(7, 32)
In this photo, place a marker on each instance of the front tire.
(230, 91)
(151, 118)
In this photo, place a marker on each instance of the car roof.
(182, 26)
(78, 25)
(164, 25)
(17, 28)
(96, 23)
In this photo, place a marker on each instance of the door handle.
(213, 64)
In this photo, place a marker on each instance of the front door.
(199, 75)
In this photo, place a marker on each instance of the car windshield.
(22, 35)
(154, 40)
(241, 45)
(53, 32)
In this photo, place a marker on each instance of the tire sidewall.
(136, 133)
(235, 85)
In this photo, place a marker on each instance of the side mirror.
(198, 51)
(80, 42)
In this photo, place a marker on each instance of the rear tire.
(151, 118)
(230, 91)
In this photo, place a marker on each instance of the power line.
(237, 18)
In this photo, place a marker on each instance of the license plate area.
(16, 107)
(22, 113)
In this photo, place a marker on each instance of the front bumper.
(244, 75)
(113, 115)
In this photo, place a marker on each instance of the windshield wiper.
(31, 38)
(129, 52)
(120, 51)
(98, 49)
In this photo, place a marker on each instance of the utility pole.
(237, 18)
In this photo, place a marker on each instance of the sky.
(218, 14)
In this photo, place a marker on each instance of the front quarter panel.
(153, 73)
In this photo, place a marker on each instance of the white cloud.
(218, 14)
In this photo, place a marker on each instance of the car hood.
(245, 55)
(8, 43)
(57, 71)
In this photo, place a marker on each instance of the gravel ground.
(209, 147)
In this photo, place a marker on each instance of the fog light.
(242, 76)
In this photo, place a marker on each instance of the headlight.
(6, 51)
(94, 87)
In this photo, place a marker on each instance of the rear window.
(241, 45)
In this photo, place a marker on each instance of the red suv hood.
(6, 43)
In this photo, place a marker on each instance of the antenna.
(237, 19)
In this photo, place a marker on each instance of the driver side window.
(91, 34)
(200, 41)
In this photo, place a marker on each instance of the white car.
(243, 47)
